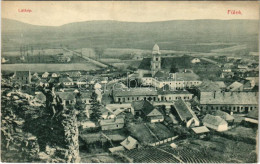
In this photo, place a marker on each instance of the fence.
(163, 141)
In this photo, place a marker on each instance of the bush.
(122, 157)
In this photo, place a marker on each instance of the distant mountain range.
(116, 34)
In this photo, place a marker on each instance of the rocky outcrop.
(29, 134)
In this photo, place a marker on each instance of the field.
(141, 133)
(242, 132)
(161, 131)
(49, 67)
(151, 155)
(226, 150)
(98, 158)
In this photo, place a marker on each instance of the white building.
(195, 60)
(215, 122)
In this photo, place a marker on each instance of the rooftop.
(140, 105)
(234, 86)
(224, 115)
(201, 129)
(182, 110)
(135, 92)
(253, 114)
(229, 98)
(214, 120)
(210, 86)
(129, 143)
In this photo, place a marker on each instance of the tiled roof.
(177, 77)
(209, 86)
(135, 92)
(253, 114)
(167, 90)
(224, 115)
(214, 120)
(140, 105)
(129, 143)
(235, 86)
(182, 110)
(229, 98)
(160, 74)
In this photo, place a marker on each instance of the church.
(159, 71)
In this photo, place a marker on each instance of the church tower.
(156, 60)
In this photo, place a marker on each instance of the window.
(128, 98)
(117, 126)
(137, 98)
(157, 59)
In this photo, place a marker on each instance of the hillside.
(115, 34)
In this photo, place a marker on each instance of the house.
(126, 95)
(45, 74)
(211, 86)
(195, 60)
(167, 93)
(146, 110)
(112, 124)
(252, 117)
(130, 143)
(68, 98)
(185, 114)
(87, 124)
(74, 75)
(134, 94)
(106, 114)
(229, 101)
(86, 97)
(97, 86)
(116, 149)
(224, 115)
(23, 77)
(236, 86)
(43, 82)
(215, 122)
(104, 80)
(122, 107)
(54, 75)
(66, 81)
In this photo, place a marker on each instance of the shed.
(130, 143)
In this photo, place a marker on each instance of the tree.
(99, 52)
(95, 108)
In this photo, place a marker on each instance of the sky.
(56, 13)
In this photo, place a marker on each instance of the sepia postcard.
(129, 81)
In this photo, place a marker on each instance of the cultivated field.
(151, 155)
(49, 67)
